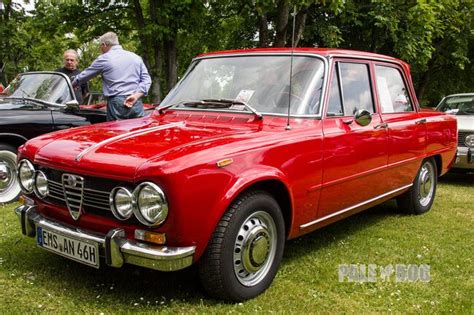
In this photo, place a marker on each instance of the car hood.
(465, 122)
(120, 148)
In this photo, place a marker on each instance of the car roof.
(327, 52)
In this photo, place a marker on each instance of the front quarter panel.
(200, 194)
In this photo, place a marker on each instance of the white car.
(462, 106)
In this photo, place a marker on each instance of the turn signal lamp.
(151, 237)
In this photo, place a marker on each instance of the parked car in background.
(252, 147)
(462, 106)
(96, 100)
(33, 104)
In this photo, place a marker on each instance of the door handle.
(420, 122)
(381, 126)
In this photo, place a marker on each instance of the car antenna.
(288, 127)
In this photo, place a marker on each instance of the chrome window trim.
(288, 53)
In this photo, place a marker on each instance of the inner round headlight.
(26, 176)
(469, 141)
(152, 207)
(41, 184)
(121, 202)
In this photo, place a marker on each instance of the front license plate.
(84, 252)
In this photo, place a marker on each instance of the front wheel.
(9, 186)
(245, 250)
(420, 197)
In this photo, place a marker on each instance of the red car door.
(355, 156)
(406, 130)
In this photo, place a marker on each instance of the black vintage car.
(33, 104)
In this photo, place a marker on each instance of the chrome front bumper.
(116, 247)
(464, 158)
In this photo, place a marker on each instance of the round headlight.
(121, 202)
(151, 205)
(41, 185)
(469, 141)
(26, 176)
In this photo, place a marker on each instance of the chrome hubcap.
(6, 175)
(426, 184)
(9, 186)
(254, 248)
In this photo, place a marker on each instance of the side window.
(393, 94)
(356, 88)
(335, 103)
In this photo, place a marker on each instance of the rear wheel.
(9, 186)
(245, 250)
(420, 197)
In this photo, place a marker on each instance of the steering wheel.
(283, 94)
(280, 101)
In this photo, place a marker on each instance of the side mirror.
(363, 117)
(72, 105)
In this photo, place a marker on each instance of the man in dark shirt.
(70, 69)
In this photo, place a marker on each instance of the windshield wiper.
(26, 100)
(212, 103)
(161, 109)
(222, 103)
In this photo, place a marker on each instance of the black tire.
(419, 198)
(234, 272)
(9, 186)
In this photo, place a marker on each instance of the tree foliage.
(435, 37)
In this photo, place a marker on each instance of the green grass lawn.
(33, 280)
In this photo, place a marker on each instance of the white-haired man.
(125, 78)
(69, 68)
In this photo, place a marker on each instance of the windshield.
(47, 87)
(459, 105)
(263, 82)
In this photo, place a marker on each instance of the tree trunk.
(283, 9)
(425, 78)
(263, 38)
(422, 85)
(172, 76)
(155, 90)
(300, 24)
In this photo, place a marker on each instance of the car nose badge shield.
(73, 189)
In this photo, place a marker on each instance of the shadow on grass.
(458, 179)
(331, 234)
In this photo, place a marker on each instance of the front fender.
(204, 196)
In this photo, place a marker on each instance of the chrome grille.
(73, 187)
(90, 197)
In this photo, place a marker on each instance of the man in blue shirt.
(125, 78)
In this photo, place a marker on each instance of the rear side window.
(392, 91)
(350, 89)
